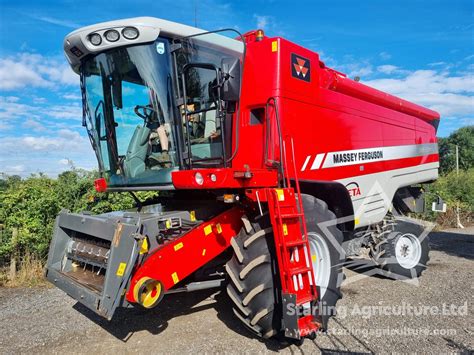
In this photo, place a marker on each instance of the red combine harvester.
(271, 169)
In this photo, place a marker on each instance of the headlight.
(95, 39)
(130, 32)
(199, 179)
(112, 36)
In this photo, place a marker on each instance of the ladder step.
(291, 215)
(295, 243)
(302, 300)
(299, 270)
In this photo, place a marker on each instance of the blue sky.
(420, 50)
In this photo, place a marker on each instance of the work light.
(112, 36)
(95, 39)
(130, 32)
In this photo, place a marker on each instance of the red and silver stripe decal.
(367, 155)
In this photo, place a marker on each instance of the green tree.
(32, 204)
(464, 139)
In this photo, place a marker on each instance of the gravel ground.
(45, 320)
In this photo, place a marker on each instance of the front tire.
(252, 277)
(253, 280)
(327, 255)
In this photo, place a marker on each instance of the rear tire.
(253, 279)
(403, 253)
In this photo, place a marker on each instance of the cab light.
(259, 35)
(112, 36)
(130, 33)
(100, 185)
(95, 39)
(199, 179)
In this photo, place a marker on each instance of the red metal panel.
(324, 115)
(176, 260)
(224, 178)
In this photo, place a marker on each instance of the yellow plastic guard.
(280, 194)
(275, 46)
(144, 246)
(175, 277)
(178, 246)
(208, 229)
(121, 269)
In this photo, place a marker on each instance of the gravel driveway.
(45, 320)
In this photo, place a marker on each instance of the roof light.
(259, 35)
(95, 39)
(130, 32)
(112, 36)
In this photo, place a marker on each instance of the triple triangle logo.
(300, 67)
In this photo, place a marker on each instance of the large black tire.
(252, 277)
(253, 282)
(406, 238)
(322, 228)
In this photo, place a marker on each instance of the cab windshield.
(129, 113)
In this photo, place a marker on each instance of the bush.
(455, 191)
(31, 205)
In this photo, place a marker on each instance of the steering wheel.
(146, 113)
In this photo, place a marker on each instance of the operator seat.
(134, 162)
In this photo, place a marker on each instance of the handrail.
(280, 139)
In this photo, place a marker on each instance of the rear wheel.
(405, 251)
(253, 279)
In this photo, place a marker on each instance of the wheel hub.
(408, 251)
(321, 262)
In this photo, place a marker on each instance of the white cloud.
(11, 109)
(449, 95)
(385, 55)
(78, 97)
(262, 21)
(15, 168)
(361, 70)
(55, 21)
(5, 126)
(15, 75)
(34, 125)
(426, 81)
(387, 68)
(34, 70)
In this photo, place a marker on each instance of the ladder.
(293, 252)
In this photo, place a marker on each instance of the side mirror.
(231, 79)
